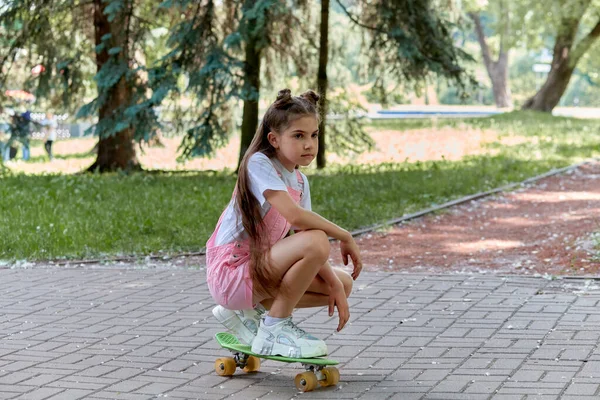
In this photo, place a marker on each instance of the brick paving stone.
(102, 381)
(41, 393)
(68, 384)
(158, 388)
(377, 396)
(41, 380)
(121, 396)
(452, 396)
(117, 333)
(583, 389)
(405, 396)
(71, 394)
(482, 388)
(15, 377)
(129, 385)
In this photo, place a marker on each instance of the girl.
(253, 264)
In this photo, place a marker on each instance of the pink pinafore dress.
(228, 265)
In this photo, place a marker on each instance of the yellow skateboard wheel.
(332, 376)
(306, 381)
(252, 364)
(225, 366)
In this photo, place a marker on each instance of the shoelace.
(260, 311)
(295, 328)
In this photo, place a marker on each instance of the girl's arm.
(301, 218)
(304, 219)
(328, 274)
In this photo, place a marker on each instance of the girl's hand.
(337, 297)
(350, 248)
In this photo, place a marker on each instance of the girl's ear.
(273, 139)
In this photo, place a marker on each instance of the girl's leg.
(317, 294)
(294, 262)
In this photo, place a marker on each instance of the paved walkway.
(110, 333)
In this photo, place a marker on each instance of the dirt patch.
(162, 158)
(423, 145)
(546, 228)
(390, 146)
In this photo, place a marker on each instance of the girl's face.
(298, 144)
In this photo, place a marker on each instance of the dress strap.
(300, 179)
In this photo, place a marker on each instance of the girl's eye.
(315, 135)
(298, 136)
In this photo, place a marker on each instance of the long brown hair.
(277, 118)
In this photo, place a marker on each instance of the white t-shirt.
(262, 174)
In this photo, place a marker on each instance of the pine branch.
(307, 34)
(143, 20)
(356, 20)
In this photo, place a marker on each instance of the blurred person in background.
(50, 128)
(4, 130)
(22, 128)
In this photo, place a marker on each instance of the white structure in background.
(62, 132)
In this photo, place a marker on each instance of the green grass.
(595, 238)
(87, 216)
(48, 217)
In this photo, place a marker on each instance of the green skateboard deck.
(230, 342)
(318, 370)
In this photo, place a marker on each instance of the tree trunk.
(497, 70)
(552, 90)
(498, 74)
(250, 114)
(566, 55)
(560, 73)
(322, 82)
(116, 152)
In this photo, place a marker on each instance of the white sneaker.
(243, 323)
(287, 339)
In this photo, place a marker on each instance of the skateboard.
(318, 370)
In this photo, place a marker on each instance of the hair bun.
(311, 96)
(284, 95)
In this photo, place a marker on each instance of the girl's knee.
(347, 281)
(319, 246)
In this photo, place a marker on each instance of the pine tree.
(125, 113)
(201, 46)
(53, 36)
(68, 36)
(220, 50)
(410, 39)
